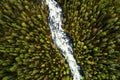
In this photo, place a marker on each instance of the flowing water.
(61, 39)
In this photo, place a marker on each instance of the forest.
(27, 51)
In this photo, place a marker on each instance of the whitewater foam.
(61, 39)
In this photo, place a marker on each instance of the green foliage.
(95, 29)
(27, 51)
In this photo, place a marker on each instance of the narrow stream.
(61, 39)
